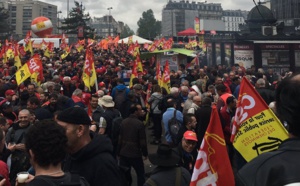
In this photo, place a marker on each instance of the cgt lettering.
(33, 66)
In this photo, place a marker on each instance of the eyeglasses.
(190, 142)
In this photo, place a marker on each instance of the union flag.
(212, 166)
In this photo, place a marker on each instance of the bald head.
(24, 111)
(197, 100)
(192, 94)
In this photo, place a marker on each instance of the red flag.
(146, 46)
(212, 166)
(131, 49)
(27, 38)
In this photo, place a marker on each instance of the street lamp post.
(59, 12)
(109, 9)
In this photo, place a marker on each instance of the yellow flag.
(139, 64)
(65, 54)
(47, 53)
(93, 76)
(18, 63)
(10, 54)
(166, 78)
(22, 74)
(34, 78)
(134, 73)
(89, 73)
(79, 48)
(28, 47)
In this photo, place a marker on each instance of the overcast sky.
(129, 11)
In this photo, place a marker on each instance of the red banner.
(212, 166)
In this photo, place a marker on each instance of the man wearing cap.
(108, 115)
(90, 155)
(10, 96)
(106, 119)
(6, 109)
(187, 151)
(132, 146)
(167, 172)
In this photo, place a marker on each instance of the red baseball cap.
(10, 92)
(101, 84)
(190, 135)
(75, 78)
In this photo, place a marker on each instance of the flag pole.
(96, 84)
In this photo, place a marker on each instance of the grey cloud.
(129, 11)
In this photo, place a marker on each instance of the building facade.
(287, 11)
(178, 16)
(22, 12)
(232, 19)
(106, 25)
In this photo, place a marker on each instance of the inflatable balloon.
(41, 26)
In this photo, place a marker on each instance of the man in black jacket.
(132, 145)
(280, 167)
(203, 117)
(267, 94)
(90, 155)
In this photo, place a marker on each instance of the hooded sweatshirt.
(95, 162)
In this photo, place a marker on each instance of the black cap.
(74, 115)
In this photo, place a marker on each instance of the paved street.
(148, 165)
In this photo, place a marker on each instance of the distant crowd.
(62, 133)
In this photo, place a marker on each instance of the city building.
(232, 19)
(22, 12)
(106, 25)
(178, 16)
(287, 11)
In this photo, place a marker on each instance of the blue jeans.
(138, 165)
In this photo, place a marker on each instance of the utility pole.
(109, 9)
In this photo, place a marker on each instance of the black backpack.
(115, 129)
(174, 126)
(120, 97)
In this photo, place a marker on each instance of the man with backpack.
(172, 121)
(119, 93)
(109, 119)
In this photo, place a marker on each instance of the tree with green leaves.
(148, 26)
(4, 26)
(126, 32)
(77, 19)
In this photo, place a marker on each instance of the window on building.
(13, 8)
(27, 7)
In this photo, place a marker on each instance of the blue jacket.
(166, 117)
(119, 87)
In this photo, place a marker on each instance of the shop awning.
(182, 51)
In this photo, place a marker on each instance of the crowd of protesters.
(89, 117)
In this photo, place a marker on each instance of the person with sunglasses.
(187, 151)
